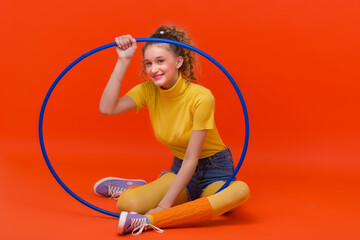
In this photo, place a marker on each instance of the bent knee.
(241, 191)
(128, 203)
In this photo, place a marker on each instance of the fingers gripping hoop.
(51, 89)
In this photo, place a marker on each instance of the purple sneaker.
(134, 223)
(112, 187)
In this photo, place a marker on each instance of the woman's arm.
(186, 171)
(110, 103)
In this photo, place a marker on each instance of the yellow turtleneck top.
(175, 112)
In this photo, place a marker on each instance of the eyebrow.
(155, 58)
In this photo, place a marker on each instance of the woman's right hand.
(126, 46)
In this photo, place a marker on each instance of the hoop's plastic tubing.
(51, 89)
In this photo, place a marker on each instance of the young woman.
(182, 116)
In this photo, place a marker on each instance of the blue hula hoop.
(51, 89)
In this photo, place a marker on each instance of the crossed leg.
(209, 205)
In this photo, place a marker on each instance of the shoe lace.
(115, 192)
(140, 224)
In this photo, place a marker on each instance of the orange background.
(296, 63)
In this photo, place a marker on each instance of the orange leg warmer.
(194, 211)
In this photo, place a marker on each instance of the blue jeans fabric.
(216, 168)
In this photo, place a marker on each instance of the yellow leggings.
(144, 198)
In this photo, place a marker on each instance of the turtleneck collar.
(176, 91)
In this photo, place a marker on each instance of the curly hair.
(173, 33)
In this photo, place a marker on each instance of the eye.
(161, 60)
(148, 64)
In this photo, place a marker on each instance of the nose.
(154, 68)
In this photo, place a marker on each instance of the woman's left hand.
(157, 209)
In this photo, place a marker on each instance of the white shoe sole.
(121, 223)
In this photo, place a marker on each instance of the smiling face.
(161, 65)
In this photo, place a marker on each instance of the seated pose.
(182, 116)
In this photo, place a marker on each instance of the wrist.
(164, 205)
(123, 60)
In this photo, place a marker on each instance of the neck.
(173, 82)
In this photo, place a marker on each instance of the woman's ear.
(179, 62)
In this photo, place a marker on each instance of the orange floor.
(296, 62)
(288, 201)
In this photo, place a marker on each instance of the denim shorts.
(216, 168)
